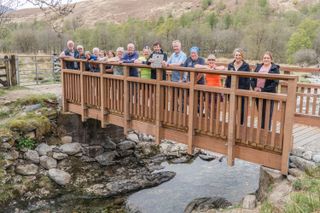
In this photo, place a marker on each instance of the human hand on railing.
(257, 89)
(137, 61)
(164, 64)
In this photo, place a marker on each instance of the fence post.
(64, 100)
(192, 111)
(102, 68)
(126, 116)
(17, 70)
(6, 63)
(83, 107)
(13, 71)
(158, 106)
(288, 124)
(232, 120)
(36, 66)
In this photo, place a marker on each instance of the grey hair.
(95, 49)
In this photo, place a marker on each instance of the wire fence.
(37, 69)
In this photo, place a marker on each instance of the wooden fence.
(8, 71)
(224, 120)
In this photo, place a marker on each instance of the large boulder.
(66, 139)
(249, 202)
(205, 204)
(59, 156)
(93, 151)
(60, 177)
(125, 145)
(27, 169)
(11, 155)
(32, 156)
(133, 137)
(48, 162)
(71, 148)
(302, 163)
(106, 158)
(43, 149)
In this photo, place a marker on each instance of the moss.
(2, 92)
(7, 135)
(29, 122)
(36, 99)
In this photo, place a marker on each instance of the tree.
(298, 40)
(212, 20)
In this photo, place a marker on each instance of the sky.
(25, 5)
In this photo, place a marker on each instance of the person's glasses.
(211, 59)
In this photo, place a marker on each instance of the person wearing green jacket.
(144, 72)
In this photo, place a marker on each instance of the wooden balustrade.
(238, 123)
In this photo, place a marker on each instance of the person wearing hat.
(212, 79)
(193, 60)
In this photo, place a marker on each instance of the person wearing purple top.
(129, 57)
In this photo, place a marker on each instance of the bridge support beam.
(126, 101)
(232, 120)
(191, 114)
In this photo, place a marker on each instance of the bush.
(26, 143)
(305, 57)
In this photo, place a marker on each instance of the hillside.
(118, 11)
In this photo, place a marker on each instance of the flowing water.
(194, 180)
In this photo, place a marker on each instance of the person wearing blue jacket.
(129, 57)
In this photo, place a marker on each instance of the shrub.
(305, 57)
(26, 143)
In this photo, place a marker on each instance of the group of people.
(177, 59)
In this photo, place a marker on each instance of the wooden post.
(102, 68)
(158, 106)
(288, 125)
(126, 116)
(232, 120)
(64, 100)
(13, 70)
(83, 107)
(192, 111)
(6, 63)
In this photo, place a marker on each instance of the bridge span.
(223, 120)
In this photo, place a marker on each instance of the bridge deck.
(307, 137)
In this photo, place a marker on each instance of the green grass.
(306, 198)
(267, 207)
(25, 142)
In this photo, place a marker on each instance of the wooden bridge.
(197, 115)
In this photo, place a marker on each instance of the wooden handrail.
(196, 70)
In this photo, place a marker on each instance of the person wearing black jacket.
(266, 85)
(156, 50)
(239, 64)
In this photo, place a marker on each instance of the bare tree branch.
(54, 12)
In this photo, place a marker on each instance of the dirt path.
(13, 95)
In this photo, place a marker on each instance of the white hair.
(70, 42)
(79, 46)
(96, 49)
(176, 42)
(120, 49)
(130, 45)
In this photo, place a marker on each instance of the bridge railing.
(252, 126)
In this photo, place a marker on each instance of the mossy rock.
(7, 136)
(31, 122)
(36, 99)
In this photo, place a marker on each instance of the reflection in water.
(198, 179)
